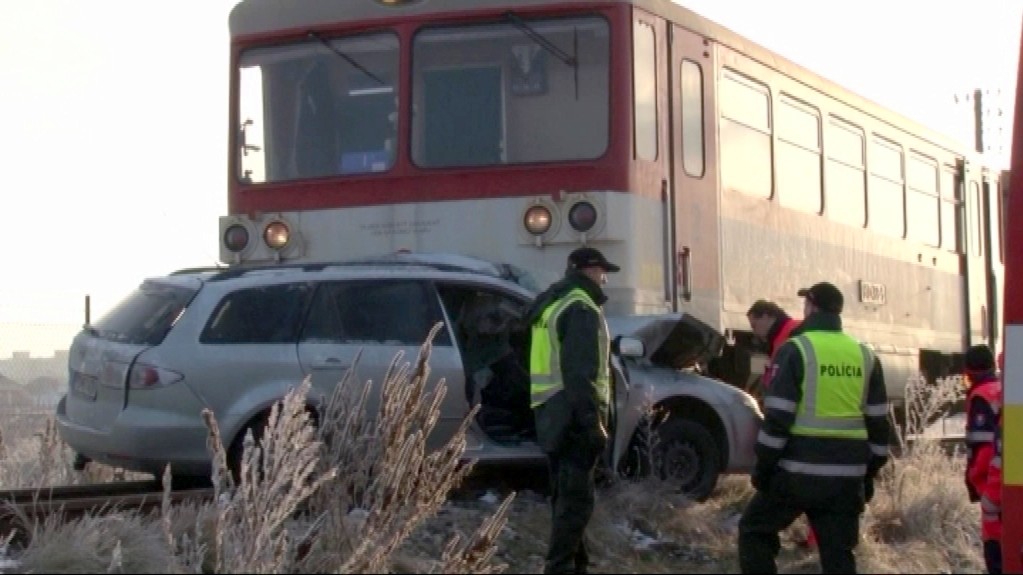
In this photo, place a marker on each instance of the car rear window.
(268, 314)
(146, 315)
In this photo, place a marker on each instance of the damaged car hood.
(675, 340)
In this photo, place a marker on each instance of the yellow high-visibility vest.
(545, 352)
(836, 370)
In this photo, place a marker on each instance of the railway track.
(21, 508)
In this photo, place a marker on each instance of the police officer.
(983, 479)
(823, 440)
(570, 388)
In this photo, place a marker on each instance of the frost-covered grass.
(376, 500)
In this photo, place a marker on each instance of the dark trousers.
(993, 555)
(833, 511)
(572, 498)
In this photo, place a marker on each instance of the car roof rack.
(503, 271)
(198, 270)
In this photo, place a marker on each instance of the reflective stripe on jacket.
(545, 354)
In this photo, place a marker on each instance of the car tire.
(235, 452)
(686, 452)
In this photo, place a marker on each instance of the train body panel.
(713, 170)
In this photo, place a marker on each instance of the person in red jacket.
(983, 461)
(771, 324)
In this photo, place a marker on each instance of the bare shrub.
(388, 483)
(112, 542)
(278, 473)
(921, 519)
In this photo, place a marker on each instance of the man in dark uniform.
(823, 440)
(570, 389)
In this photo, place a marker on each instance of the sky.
(113, 124)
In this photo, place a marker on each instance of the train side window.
(691, 80)
(951, 211)
(1000, 216)
(799, 155)
(885, 207)
(745, 135)
(644, 79)
(846, 187)
(976, 215)
(922, 205)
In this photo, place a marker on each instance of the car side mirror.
(628, 347)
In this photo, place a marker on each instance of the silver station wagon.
(236, 340)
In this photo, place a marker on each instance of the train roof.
(259, 17)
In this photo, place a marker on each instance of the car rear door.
(379, 319)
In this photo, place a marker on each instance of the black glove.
(761, 480)
(868, 489)
(974, 496)
(592, 435)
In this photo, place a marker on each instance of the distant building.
(42, 380)
(13, 394)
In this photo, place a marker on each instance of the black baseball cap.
(979, 358)
(825, 296)
(590, 258)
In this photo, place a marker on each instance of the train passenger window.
(691, 80)
(922, 205)
(799, 155)
(846, 187)
(644, 77)
(745, 135)
(951, 211)
(885, 207)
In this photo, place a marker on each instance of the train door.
(693, 190)
(975, 270)
(994, 186)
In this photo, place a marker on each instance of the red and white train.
(715, 171)
(1012, 376)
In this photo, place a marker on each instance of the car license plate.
(84, 386)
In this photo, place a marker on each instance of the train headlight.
(236, 238)
(582, 217)
(538, 220)
(276, 235)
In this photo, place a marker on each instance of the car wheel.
(684, 451)
(235, 452)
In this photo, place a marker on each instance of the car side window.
(267, 314)
(389, 312)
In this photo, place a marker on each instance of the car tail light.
(236, 238)
(538, 220)
(145, 376)
(276, 235)
(582, 217)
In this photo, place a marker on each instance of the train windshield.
(508, 93)
(323, 107)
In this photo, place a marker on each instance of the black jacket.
(576, 409)
(786, 386)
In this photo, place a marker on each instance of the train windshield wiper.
(345, 57)
(518, 22)
(572, 61)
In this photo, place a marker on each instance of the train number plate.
(874, 293)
